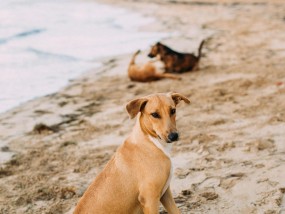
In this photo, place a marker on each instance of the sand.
(230, 158)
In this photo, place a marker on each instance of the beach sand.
(230, 158)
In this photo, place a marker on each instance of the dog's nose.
(173, 136)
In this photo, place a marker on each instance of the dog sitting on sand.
(138, 176)
(174, 61)
(147, 72)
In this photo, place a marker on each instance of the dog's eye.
(155, 115)
(172, 111)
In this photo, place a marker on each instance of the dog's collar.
(163, 146)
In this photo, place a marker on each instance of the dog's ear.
(135, 106)
(178, 97)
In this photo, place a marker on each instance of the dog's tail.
(134, 57)
(200, 49)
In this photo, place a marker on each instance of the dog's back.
(102, 195)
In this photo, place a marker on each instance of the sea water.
(45, 43)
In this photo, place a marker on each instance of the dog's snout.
(173, 136)
(150, 55)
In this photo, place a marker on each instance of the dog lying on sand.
(147, 72)
(174, 61)
(137, 177)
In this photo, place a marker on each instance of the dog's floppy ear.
(135, 106)
(178, 97)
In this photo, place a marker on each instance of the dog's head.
(155, 50)
(157, 114)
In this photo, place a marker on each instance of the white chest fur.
(166, 149)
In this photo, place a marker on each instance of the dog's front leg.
(169, 203)
(149, 201)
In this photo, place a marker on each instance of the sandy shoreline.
(231, 155)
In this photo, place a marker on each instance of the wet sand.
(230, 158)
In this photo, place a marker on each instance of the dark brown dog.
(147, 72)
(176, 62)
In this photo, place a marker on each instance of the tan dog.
(138, 175)
(147, 72)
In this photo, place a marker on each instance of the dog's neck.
(163, 146)
(165, 50)
(150, 137)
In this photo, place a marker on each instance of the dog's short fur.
(137, 177)
(176, 62)
(147, 72)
